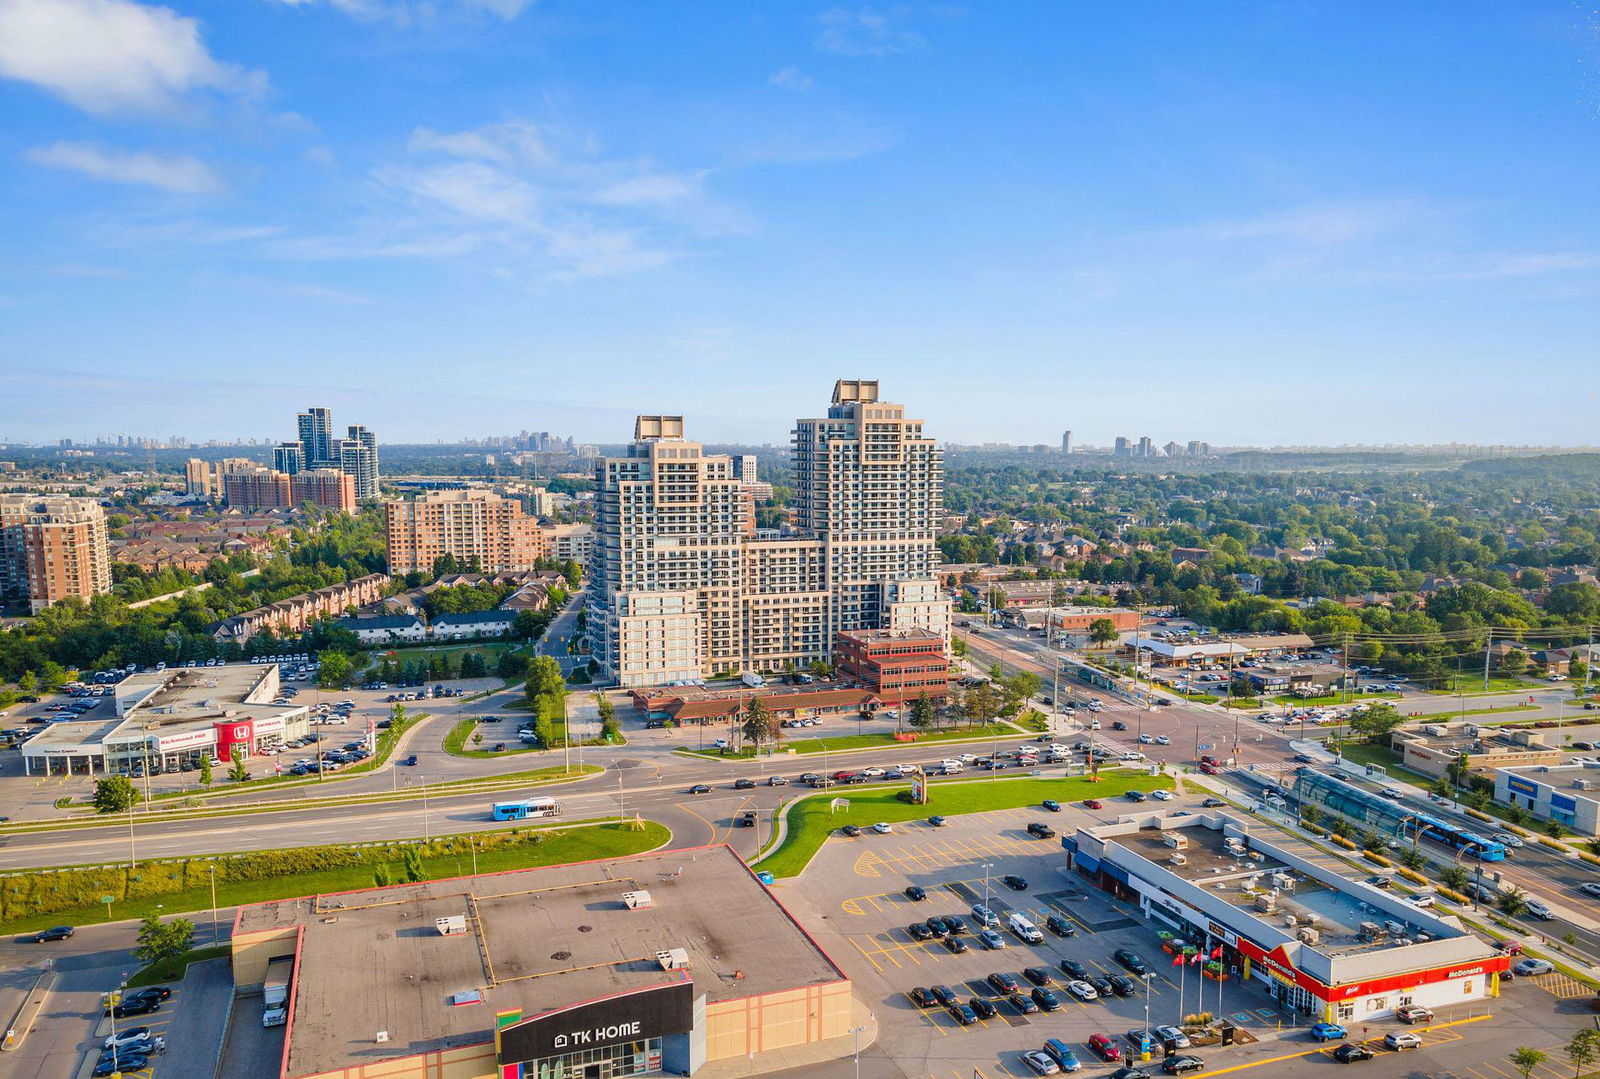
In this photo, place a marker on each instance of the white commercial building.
(1568, 794)
(166, 719)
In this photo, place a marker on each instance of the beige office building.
(683, 586)
(52, 547)
(475, 527)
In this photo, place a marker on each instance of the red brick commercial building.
(720, 705)
(896, 667)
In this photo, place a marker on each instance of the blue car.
(764, 877)
(1327, 1032)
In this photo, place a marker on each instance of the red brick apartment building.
(896, 667)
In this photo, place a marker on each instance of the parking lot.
(854, 892)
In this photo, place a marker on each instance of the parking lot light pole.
(858, 1031)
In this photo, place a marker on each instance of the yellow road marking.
(1324, 1049)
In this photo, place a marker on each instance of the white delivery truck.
(275, 991)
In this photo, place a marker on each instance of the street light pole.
(427, 833)
(857, 1031)
(986, 867)
(216, 927)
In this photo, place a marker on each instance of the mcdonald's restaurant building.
(651, 965)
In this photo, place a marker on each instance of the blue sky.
(1251, 222)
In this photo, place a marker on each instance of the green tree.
(1453, 877)
(1375, 721)
(238, 773)
(1514, 662)
(1413, 858)
(1584, 1049)
(1525, 1060)
(477, 738)
(335, 670)
(411, 865)
(923, 713)
(1102, 631)
(381, 877)
(572, 572)
(113, 794)
(1554, 829)
(1577, 670)
(1311, 814)
(160, 940)
(205, 770)
(1343, 828)
(760, 726)
(1512, 902)
(1519, 816)
(1371, 840)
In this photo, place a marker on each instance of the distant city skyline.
(1252, 224)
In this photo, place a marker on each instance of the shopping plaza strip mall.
(654, 964)
(1323, 946)
(165, 718)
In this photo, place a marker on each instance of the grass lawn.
(1384, 758)
(1334, 698)
(491, 651)
(806, 744)
(810, 821)
(170, 970)
(1472, 686)
(610, 840)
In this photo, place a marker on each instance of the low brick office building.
(897, 668)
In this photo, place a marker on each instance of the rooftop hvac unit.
(1582, 784)
(1178, 859)
(1370, 931)
(639, 900)
(673, 959)
(1309, 936)
(453, 925)
(1266, 904)
(1394, 929)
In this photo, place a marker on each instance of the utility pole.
(1488, 641)
(216, 927)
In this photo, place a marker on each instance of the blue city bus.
(1448, 835)
(531, 807)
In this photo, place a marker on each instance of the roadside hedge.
(45, 891)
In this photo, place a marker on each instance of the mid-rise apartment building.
(316, 438)
(52, 547)
(475, 527)
(683, 585)
(269, 489)
(569, 543)
(358, 458)
(289, 458)
(203, 478)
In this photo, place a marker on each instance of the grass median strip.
(41, 898)
(811, 744)
(811, 819)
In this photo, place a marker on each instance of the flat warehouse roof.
(537, 939)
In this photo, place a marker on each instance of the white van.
(951, 768)
(1024, 928)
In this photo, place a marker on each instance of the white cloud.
(1323, 224)
(501, 143)
(410, 12)
(789, 78)
(109, 56)
(178, 173)
(468, 189)
(866, 32)
(649, 188)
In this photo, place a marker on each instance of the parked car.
(1024, 1005)
(1121, 985)
(962, 1014)
(922, 997)
(919, 931)
(1040, 1063)
(955, 945)
(1093, 803)
(1052, 805)
(1041, 831)
(850, 830)
(1074, 969)
(984, 1007)
(1172, 1037)
(916, 894)
(1063, 1054)
(1531, 967)
(991, 940)
(1349, 1052)
(1401, 1040)
(1046, 999)
(1214, 803)
(1060, 926)
(1327, 1032)
(1182, 1062)
(1413, 1013)
(1014, 882)
(1104, 1048)
(1131, 961)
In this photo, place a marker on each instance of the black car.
(962, 1013)
(411, 761)
(127, 1062)
(1003, 982)
(57, 932)
(1213, 803)
(1129, 1073)
(1119, 725)
(918, 931)
(954, 923)
(1131, 961)
(1349, 1051)
(922, 998)
(955, 945)
(1014, 882)
(809, 777)
(135, 1006)
(1038, 975)
(159, 992)
(936, 928)
(1135, 796)
(1041, 831)
(1074, 969)
(984, 1007)
(1101, 985)
(1183, 1062)
(699, 788)
(1060, 926)
(744, 784)
(944, 995)
(850, 830)
(916, 894)
(1046, 999)
(936, 820)
(1123, 985)
(1023, 1004)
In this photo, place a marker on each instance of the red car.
(1510, 947)
(1104, 1047)
(1093, 803)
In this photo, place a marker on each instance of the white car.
(1172, 1036)
(1147, 740)
(966, 758)
(1082, 990)
(1161, 796)
(1420, 899)
(881, 828)
(872, 772)
(1163, 740)
(1538, 910)
(1508, 839)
